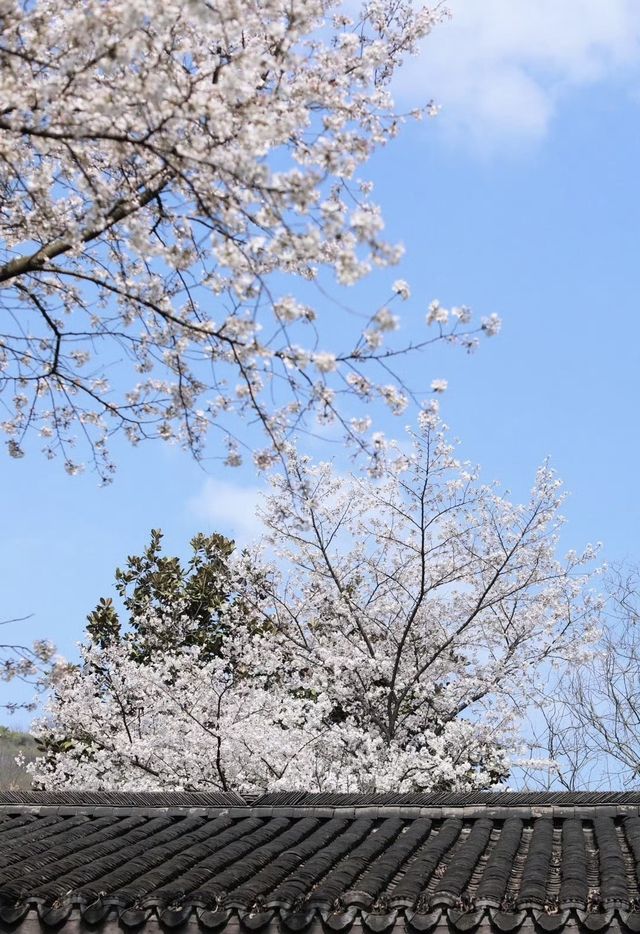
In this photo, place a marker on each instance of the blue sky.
(521, 198)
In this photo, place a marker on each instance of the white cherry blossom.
(491, 325)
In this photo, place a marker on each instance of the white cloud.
(499, 68)
(230, 508)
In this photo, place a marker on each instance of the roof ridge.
(145, 799)
(304, 799)
(447, 799)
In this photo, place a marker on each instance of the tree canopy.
(390, 640)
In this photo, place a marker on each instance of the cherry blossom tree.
(171, 174)
(403, 622)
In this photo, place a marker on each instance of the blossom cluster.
(36, 664)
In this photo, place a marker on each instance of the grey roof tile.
(293, 861)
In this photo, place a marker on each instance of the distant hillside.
(12, 743)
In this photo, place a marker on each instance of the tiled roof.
(298, 862)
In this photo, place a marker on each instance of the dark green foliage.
(189, 595)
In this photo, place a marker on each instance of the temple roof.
(297, 861)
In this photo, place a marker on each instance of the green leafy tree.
(167, 607)
(189, 595)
